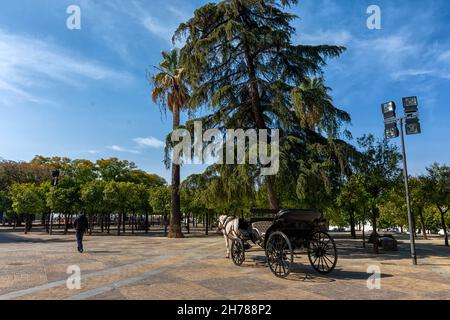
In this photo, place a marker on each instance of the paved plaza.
(34, 266)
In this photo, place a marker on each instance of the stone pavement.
(34, 266)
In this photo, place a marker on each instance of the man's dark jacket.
(81, 223)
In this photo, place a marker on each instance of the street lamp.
(410, 104)
(55, 177)
(412, 125)
(388, 109)
(391, 130)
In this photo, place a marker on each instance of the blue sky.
(83, 93)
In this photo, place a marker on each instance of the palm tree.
(170, 90)
(314, 107)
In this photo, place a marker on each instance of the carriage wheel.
(322, 252)
(279, 254)
(237, 252)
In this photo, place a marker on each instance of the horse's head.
(221, 222)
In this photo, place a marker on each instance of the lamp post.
(55, 178)
(412, 124)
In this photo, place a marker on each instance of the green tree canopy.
(27, 198)
(159, 199)
(114, 169)
(438, 187)
(66, 197)
(378, 165)
(353, 200)
(92, 197)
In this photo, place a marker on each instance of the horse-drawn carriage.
(284, 234)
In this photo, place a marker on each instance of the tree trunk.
(352, 224)
(274, 202)
(363, 234)
(27, 217)
(175, 218)
(124, 217)
(118, 223)
(66, 224)
(164, 221)
(443, 225)
(91, 224)
(374, 216)
(422, 222)
(259, 118)
(146, 222)
(187, 223)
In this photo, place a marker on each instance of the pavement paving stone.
(34, 266)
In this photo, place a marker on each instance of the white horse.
(230, 229)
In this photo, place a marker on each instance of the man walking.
(81, 224)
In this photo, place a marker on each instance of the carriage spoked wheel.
(237, 251)
(322, 252)
(279, 254)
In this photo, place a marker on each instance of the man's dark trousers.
(80, 235)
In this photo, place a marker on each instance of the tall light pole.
(411, 119)
(55, 179)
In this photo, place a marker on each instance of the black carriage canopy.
(306, 215)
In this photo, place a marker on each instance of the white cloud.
(27, 64)
(121, 149)
(159, 29)
(151, 142)
(411, 73)
(178, 12)
(163, 27)
(393, 48)
(157, 17)
(402, 56)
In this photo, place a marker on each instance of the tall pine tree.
(243, 65)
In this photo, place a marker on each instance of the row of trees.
(429, 195)
(104, 189)
(376, 194)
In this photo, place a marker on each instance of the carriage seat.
(261, 227)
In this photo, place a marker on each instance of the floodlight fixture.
(55, 173)
(388, 109)
(410, 104)
(412, 126)
(55, 176)
(391, 130)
